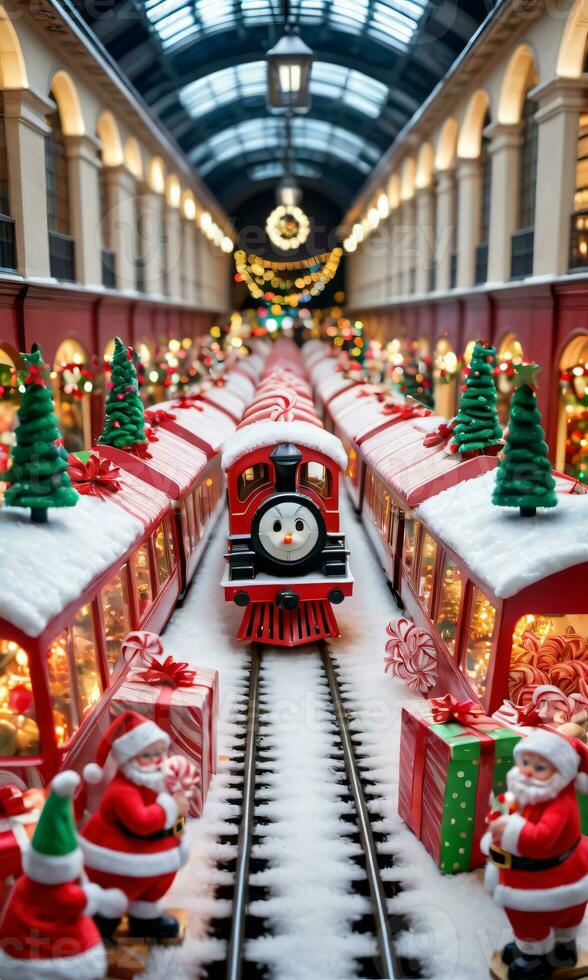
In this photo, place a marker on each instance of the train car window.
(352, 470)
(479, 640)
(60, 689)
(387, 515)
(427, 568)
(84, 659)
(169, 535)
(161, 557)
(410, 526)
(115, 612)
(143, 578)
(449, 602)
(555, 646)
(197, 519)
(317, 477)
(394, 521)
(190, 523)
(250, 479)
(19, 734)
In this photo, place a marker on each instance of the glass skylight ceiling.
(316, 140)
(273, 171)
(353, 88)
(388, 22)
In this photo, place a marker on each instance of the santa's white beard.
(526, 790)
(151, 778)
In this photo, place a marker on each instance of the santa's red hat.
(127, 736)
(567, 754)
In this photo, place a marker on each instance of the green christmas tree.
(37, 474)
(477, 427)
(524, 477)
(124, 425)
(416, 381)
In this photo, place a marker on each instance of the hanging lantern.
(289, 65)
(288, 192)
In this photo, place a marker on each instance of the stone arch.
(13, 72)
(66, 96)
(408, 179)
(394, 191)
(570, 59)
(156, 175)
(470, 136)
(424, 167)
(173, 191)
(447, 145)
(133, 159)
(109, 136)
(519, 77)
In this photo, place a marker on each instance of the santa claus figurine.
(538, 860)
(134, 841)
(47, 929)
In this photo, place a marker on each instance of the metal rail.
(239, 912)
(376, 887)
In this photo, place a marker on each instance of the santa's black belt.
(512, 862)
(174, 831)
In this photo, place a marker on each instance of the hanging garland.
(8, 382)
(75, 379)
(287, 227)
(318, 279)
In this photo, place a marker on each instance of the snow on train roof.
(241, 385)
(262, 434)
(507, 552)
(46, 566)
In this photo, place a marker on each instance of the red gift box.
(19, 814)
(183, 701)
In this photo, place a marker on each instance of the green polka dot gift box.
(452, 757)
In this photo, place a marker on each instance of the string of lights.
(312, 284)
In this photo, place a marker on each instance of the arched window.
(61, 242)
(7, 247)
(579, 229)
(572, 430)
(485, 192)
(521, 263)
(72, 390)
(107, 252)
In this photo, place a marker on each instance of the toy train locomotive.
(287, 563)
(502, 600)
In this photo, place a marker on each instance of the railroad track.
(374, 927)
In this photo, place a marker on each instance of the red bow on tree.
(96, 478)
(441, 435)
(406, 412)
(35, 375)
(159, 416)
(467, 712)
(168, 672)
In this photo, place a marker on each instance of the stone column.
(425, 236)
(83, 164)
(504, 148)
(174, 252)
(469, 203)
(188, 262)
(122, 216)
(444, 227)
(151, 236)
(561, 101)
(409, 246)
(26, 129)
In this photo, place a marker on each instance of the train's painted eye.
(299, 525)
(277, 526)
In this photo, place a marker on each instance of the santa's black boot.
(106, 927)
(565, 954)
(531, 967)
(510, 953)
(163, 927)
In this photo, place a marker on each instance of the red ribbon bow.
(406, 412)
(168, 671)
(141, 449)
(96, 478)
(158, 416)
(440, 436)
(467, 712)
(188, 401)
(35, 376)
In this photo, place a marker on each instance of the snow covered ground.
(454, 924)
